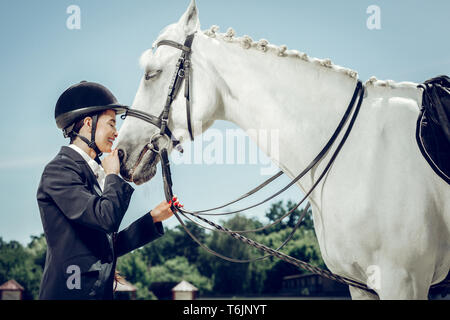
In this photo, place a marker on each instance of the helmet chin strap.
(91, 144)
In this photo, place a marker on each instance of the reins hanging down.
(225, 230)
(359, 92)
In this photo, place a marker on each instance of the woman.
(82, 200)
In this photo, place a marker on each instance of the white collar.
(95, 167)
(83, 153)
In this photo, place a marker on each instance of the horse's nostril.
(121, 155)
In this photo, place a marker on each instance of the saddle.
(433, 125)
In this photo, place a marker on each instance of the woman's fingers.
(175, 202)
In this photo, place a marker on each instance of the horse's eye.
(152, 74)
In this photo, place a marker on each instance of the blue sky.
(41, 57)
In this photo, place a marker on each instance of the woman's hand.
(163, 211)
(111, 163)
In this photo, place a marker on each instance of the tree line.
(175, 257)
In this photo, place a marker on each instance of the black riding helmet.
(82, 100)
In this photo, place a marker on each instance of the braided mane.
(281, 51)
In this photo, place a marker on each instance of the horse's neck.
(299, 101)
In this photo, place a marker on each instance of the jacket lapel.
(90, 176)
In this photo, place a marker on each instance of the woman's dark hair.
(118, 279)
(78, 125)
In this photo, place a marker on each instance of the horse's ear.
(189, 21)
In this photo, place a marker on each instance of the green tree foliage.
(235, 278)
(38, 249)
(278, 209)
(187, 247)
(178, 269)
(160, 250)
(142, 292)
(22, 264)
(302, 246)
(175, 243)
(134, 269)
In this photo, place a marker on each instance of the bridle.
(182, 72)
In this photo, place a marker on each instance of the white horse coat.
(381, 215)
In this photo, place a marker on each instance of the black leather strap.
(187, 85)
(91, 143)
(156, 121)
(182, 72)
(187, 96)
(167, 176)
(175, 45)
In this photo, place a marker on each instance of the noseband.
(182, 72)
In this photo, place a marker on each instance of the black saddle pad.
(433, 125)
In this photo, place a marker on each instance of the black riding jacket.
(81, 226)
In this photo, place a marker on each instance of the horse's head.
(138, 161)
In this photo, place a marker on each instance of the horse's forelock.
(145, 59)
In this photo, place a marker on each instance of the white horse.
(380, 212)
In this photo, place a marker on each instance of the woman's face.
(106, 132)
